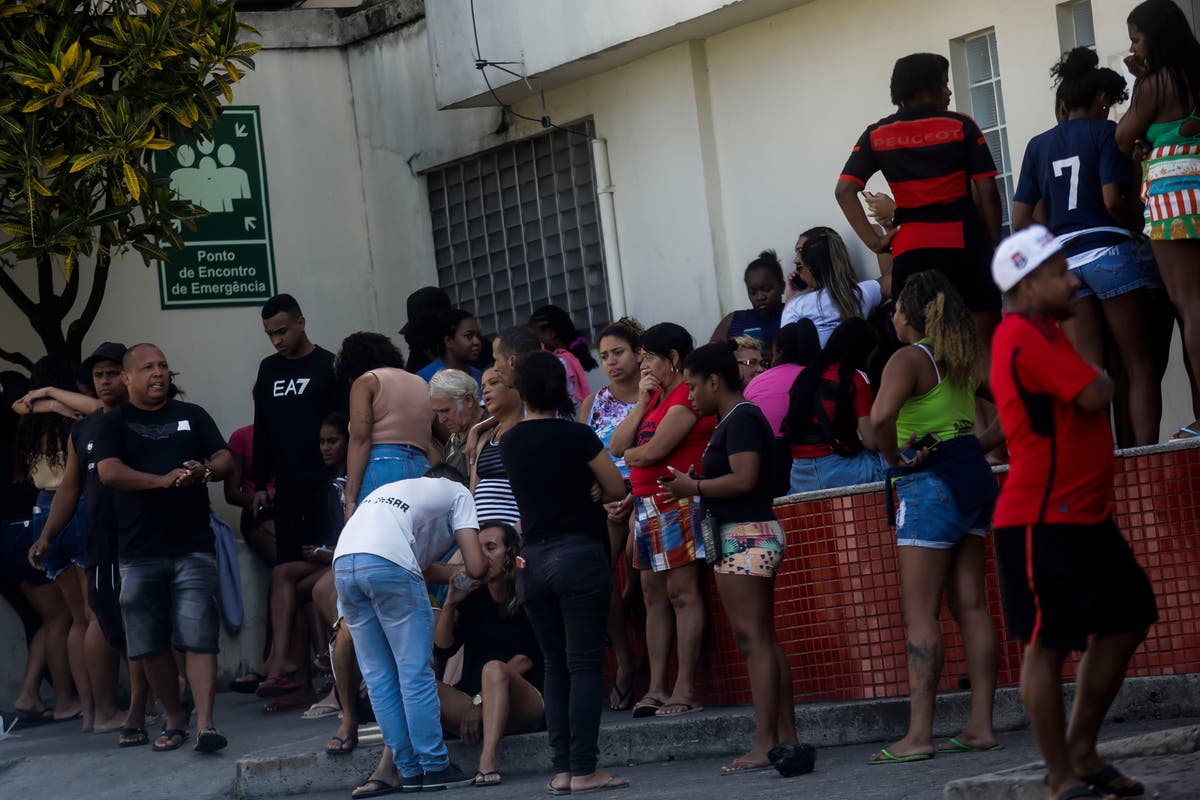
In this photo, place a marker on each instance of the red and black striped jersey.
(929, 158)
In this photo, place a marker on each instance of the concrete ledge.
(715, 732)
(1164, 778)
(302, 28)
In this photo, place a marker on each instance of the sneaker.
(412, 784)
(449, 778)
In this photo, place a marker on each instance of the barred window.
(981, 96)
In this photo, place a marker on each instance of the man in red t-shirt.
(1067, 573)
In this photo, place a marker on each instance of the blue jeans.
(170, 601)
(834, 471)
(391, 622)
(389, 463)
(1122, 268)
(70, 545)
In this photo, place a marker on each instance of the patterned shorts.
(751, 548)
(667, 533)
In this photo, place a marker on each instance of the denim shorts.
(834, 471)
(389, 463)
(170, 601)
(70, 544)
(929, 517)
(1119, 269)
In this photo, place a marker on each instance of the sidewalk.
(282, 755)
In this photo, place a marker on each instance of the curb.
(712, 733)
(1025, 781)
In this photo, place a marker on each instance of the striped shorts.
(1171, 192)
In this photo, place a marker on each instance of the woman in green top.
(946, 497)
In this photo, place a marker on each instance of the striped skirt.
(1171, 192)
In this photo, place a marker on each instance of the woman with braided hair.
(924, 417)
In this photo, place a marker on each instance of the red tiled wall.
(838, 605)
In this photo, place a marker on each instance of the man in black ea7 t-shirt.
(293, 393)
(158, 454)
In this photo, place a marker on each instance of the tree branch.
(19, 298)
(17, 358)
(45, 270)
(79, 328)
(67, 300)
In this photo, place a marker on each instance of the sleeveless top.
(401, 409)
(946, 409)
(607, 413)
(1165, 134)
(747, 319)
(493, 495)
(45, 476)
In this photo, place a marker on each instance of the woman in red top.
(665, 430)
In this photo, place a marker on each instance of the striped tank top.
(493, 496)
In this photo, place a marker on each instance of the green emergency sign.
(228, 260)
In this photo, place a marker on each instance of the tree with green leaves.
(88, 90)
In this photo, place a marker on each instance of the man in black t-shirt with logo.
(158, 454)
(294, 392)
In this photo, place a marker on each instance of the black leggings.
(565, 589)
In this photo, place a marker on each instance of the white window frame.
(998, 132)
(1068, 29)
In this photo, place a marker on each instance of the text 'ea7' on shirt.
(410, 523)
(1060, 456)
(929, 158)
(160, 522)
(291, 398)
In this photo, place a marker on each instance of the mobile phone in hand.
(929, 441)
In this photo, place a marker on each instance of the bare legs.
(923, 574)
(1179, 265)
(48, 602)
(163, 677)
(621, 697)
(510, 706)
(674, 608)
(750, 605)
(283, 615)
(71, 582)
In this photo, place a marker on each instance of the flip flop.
(610, 783)
(1189, 432)
(956, 746)
(557, 791)
(686, 708)
(210, 741)
(321, 710)
(169, 734)
(29, 719)
(76, 715)
(133, 737)
(888, 758)
(341, 749)
(647, 707)
(623, 699)
(380, 789)
(481, 779)
(739, 767)
(248, 683)
(1103, 778)
(276, 686)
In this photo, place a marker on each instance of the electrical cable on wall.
(482, 65)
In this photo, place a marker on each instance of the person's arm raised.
(472, 553)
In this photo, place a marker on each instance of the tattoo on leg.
(925, 661)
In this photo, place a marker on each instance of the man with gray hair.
(454, 396)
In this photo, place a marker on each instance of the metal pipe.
(608, 228)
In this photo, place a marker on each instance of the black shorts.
(104, 598)
(1065, 583)
(301, 517)
(969, 270)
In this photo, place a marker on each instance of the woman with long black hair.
(828, 417)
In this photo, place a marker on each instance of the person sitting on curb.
(499, 692)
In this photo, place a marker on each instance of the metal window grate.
(987, 107)
(518, 227)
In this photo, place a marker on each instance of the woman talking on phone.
(923, 417)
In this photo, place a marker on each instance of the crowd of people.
(443, 528)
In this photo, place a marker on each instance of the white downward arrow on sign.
(250, 223)
(239, 131)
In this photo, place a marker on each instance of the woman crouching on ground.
(947, 493)
(499, 693)
(737, 492)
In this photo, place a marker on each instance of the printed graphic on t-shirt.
(283, 388)
(156, 432)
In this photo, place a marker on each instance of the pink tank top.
(403, 414)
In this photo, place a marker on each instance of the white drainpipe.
(608, 228)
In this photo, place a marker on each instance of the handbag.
(710, 536)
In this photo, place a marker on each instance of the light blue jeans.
(389, 463)
(834, 471)
(391, 622)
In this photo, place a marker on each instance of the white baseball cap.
(1022, 253)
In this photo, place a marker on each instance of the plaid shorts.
(667, 533)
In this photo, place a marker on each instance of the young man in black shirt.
(293, 393)
(158, 454)
(104, 643)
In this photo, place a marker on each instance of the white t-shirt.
(410, 523)
(818, 307)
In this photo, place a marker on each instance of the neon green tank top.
(946, 409)
(1166, 134)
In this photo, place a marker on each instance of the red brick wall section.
(838, 595)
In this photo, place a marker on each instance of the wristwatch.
(477, 700)
(208, 473)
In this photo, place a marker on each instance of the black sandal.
(210, 741)
(341, 749)
(133, 737)
(170, 734)
(1103, 778)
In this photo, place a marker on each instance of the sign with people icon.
(229, 259)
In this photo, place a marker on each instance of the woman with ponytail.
(1086, 185)
(558, 334)
(923, 418)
